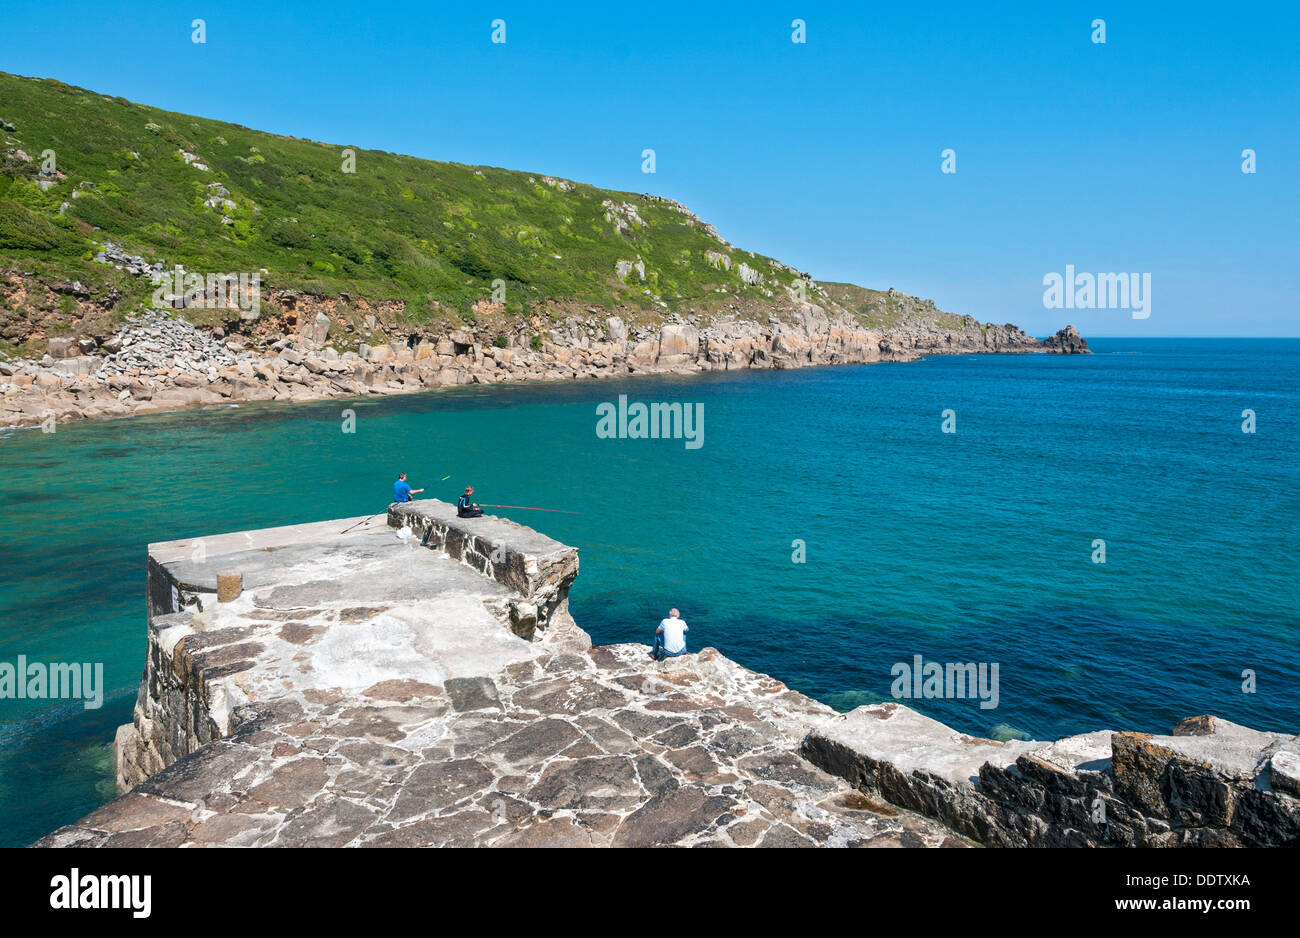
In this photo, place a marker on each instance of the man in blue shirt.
(402, 490)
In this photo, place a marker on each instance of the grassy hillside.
(435, 235)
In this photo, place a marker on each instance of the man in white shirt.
(670, 637)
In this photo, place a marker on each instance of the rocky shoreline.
(158, 360)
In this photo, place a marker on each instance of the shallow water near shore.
(968, 547)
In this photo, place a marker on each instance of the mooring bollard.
(229, 586)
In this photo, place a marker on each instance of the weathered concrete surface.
(1210, 783)
(364, 690)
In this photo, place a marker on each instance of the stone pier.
(417, 680)
(366, 690)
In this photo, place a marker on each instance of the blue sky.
(1117, 157)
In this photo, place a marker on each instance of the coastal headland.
(154, 261)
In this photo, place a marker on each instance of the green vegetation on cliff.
(434, 235)
(881, 309)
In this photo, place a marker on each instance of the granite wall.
(1209, 783)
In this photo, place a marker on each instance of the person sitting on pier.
(402, 490)
(465, 508)
(670, 637)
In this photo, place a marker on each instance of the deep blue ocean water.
(973, 546)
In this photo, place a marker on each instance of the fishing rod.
(526, 508)
(384, 512)
(520, 507)
(364, 520)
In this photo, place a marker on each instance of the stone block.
(230, 584)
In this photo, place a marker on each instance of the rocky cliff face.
(307, 347)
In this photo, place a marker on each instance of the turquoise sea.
(971, 546)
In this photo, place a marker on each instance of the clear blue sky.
(1117, 157)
